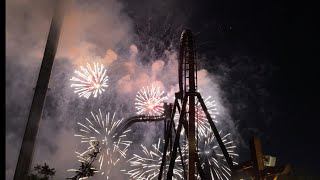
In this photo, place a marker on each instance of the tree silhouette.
(42, 172)
(86, 169)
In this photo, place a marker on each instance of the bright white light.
(150, 101)
(102, 129)
(90, 81)
(147, 166)
(202, 123)
(216, 160)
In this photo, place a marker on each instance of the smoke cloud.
(99, 31)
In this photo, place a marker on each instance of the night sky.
(281, 98)
(281, 35)
(261, 54)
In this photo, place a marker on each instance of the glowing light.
(149, 101)
(148, 166)
(90, 81)
(211, 107)
(202, 123)
(103, 129)
(209, 150)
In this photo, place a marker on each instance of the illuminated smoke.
(90, 29)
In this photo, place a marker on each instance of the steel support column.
(164, 153)
(216, 133)
(176, 141)
(31, 130)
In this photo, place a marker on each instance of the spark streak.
(90, 81)
(147, 167)
(202, 123)
(210, 151)
(149, 101)
(103, 129)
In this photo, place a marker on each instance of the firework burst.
(103, 129)
(149, 101)
(210, 151)
(87, 170)
(202, 123)
(90, 81)
(147, 167)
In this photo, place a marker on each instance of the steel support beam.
(216, 133)
(31, 130)
(176, 141)
(137, 119)
(197, 159)
(192, 114)
(192, 138)
(182, 122)
(164, 154)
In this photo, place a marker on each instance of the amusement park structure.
(256, 168)
(187, 96)
(184, 104)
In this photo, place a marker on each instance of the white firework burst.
(210, 151)
(202, 123)
(150, 101)
(87, 170)
(90, 81)
(147, 167)
(103, 129)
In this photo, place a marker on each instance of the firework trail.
(210, 151)
(90, 81)
(207, 146)
(87, 170)
(202, 123)
(103, 129)
(147, 167)
(149, 101)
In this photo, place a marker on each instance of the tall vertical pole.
(176, 140)
(192, 140)
(30, 134)
(167, 137)
(257, 157)
(192, 129)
